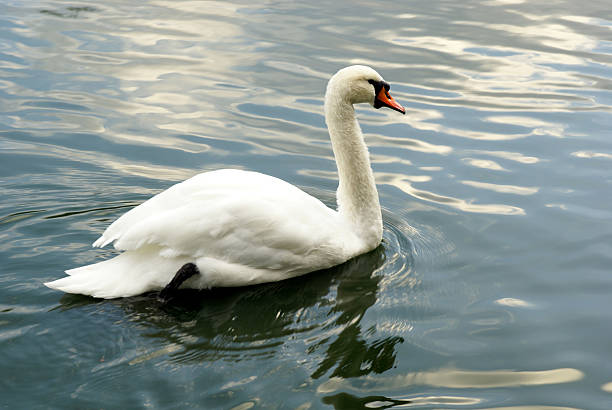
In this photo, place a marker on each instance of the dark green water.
(493, 287)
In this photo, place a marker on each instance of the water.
(492, 287)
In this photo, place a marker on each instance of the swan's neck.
(357, 195)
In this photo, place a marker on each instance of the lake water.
(492, 289)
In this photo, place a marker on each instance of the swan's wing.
(240, 217)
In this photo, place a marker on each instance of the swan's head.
(361, 84)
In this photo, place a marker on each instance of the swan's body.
(243, 228)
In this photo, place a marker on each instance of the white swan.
(233, 228)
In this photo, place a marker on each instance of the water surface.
(492, 288)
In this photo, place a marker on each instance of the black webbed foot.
(185, 272)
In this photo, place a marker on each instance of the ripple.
(398, 239)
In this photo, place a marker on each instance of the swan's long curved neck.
(357, 196)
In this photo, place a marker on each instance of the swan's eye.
(377, 85)
(380, 84)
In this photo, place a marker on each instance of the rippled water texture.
(492, 289)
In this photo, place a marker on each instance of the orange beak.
(385, 99)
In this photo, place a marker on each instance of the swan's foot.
(185, 272)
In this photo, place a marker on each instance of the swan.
(230, 227)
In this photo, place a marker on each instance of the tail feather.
(102, 241)
(128, 274)
(86, 284)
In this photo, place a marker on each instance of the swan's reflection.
(323, 309)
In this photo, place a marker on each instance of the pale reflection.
(409, 143)
(481, 135)
(539, 127)
(385, 177)
(405, 16)
(387, 159)
(513, 302)
(318, 173)
(503, 2)
(148, 170)
(440, 44)
(607, 387)
(168, 98)
(456, 379)
(298, 69)
(484, 163)
(403, 183)
(591, 154)
(56, 120)
(512, 156)
(145, 357)
(379, 64)
(552, 35)
(213, 8)
(592, 21)
(504, 189)
(169, 142)
(103, 161)
(560, 206)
